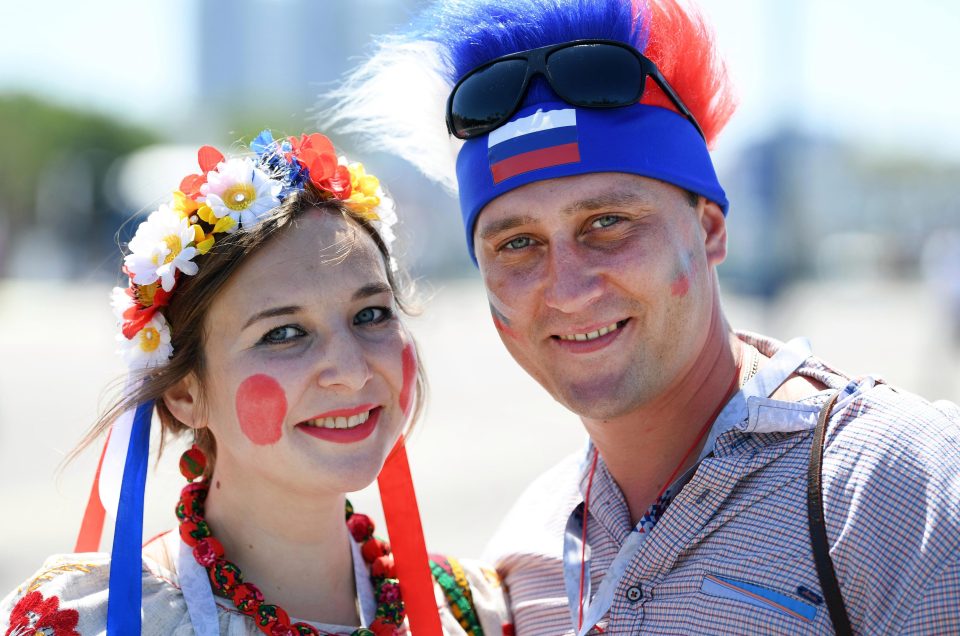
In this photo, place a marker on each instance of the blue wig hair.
(396, 100)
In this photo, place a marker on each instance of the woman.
(261, 318)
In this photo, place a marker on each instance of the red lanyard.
(676, 471)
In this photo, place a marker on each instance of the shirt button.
(634, 593)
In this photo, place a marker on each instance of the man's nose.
(572, 281)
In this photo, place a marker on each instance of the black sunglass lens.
(596, 75)
(487, 97)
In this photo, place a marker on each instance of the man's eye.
(372, 315)
(605, 221)
(518, 243)
(282, 335)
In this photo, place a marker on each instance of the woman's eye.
(605, 221)
(518, 243)
(281, 335)
(372, 315)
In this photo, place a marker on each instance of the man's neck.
(296, 551)
(644, 448)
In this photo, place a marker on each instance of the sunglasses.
(587, 73)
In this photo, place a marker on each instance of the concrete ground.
(488, 429)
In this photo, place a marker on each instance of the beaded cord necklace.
(226, 579)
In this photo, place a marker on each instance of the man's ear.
(714, 227)
(183, 401)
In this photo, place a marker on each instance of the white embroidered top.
(68, 596)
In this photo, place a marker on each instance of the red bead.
(304, 629)
(389, 592)
(381, 627)
(374, 548)
(361, 527)
(225, 576)
(192, 463)
(207, 551)
(383, 567)
(270, 615)
(247, 597)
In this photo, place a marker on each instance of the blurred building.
(803, 206)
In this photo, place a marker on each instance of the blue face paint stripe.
(757, 596)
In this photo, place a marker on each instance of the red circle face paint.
(681, 285)
(409, 378)
(261, 408)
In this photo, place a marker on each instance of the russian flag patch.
(541, 140)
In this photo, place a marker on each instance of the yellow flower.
(184, 204)
(205, 212)
(364, 197)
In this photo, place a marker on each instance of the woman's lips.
(366, 421)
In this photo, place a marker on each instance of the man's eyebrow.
(271, 313)
(502, 225)
(606, 200)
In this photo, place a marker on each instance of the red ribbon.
(402, 515)
(91, 528)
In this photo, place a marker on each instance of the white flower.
(387, 218)
(240, 190)
(120, 301)
(159, 249)
(150, 347)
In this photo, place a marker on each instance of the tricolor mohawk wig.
(395, 101)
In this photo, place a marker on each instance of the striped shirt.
(731, 554)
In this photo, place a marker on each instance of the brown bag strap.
(818, 527)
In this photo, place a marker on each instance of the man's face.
(601, 285)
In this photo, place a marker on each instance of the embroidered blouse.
(68, 597)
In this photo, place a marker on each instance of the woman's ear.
(183, 401)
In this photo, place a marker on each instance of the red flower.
(318, 155)
(207, 551)
(360, 526)
(37, 615)
(147, 299)
(208, 157)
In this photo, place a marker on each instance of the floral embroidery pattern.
(35, 615)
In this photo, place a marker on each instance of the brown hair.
(189, 305)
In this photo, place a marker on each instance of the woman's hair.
(191, 302)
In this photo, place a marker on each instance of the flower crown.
(228, 195)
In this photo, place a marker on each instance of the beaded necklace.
(227, 581)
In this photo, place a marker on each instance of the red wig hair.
(683, 47)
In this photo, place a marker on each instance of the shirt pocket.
(755, 594)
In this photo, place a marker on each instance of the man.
(593, 211)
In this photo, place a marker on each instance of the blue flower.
(262, 142)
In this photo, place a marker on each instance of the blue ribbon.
(126, 578)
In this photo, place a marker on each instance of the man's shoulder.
(883, 428)
(534, 525)
(891, 484)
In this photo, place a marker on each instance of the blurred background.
(842, 166)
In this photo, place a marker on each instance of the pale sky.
(880, 72)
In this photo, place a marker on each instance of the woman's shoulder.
(67, 596)
(474, 599)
